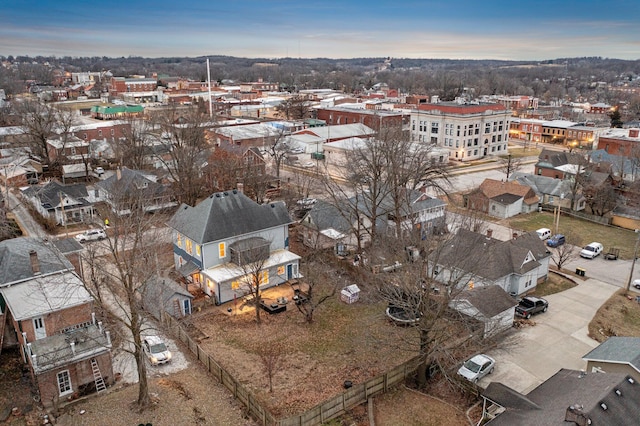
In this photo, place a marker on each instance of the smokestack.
(35, 264)
(118, 174)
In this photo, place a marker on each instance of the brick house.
(557, 165)
(49, 315)
(212, 240)
(73, 150)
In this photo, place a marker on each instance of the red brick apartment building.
(120, 85)
(620, 141)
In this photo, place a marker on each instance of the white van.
(543, 233)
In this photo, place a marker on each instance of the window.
(198, 250)
(113, 132)
(99, 132)
(487, 128)
(281, 270)
(434, 139)
(475, 152)
(179, 240)
(64, 383)
(235, 285)
(188, 245)
(222, 250)
(475, 142)
(477, 132)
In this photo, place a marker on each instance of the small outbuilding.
(491, 306)
(350, 294)
(161, 293)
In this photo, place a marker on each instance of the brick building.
(620, 141)
(373, 118)
(47, 312)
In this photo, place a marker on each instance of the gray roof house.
(129, 187)
(327, 224)
(552, 192)
(491, 306)
(473, 259)
(616, 355)
(215, 244)
(63, 203)
(163, 294)
(569, 397)
(46, 310)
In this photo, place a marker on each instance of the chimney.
(575, 415)
(35, 264)
(489, 233)
(633, 133)
(240, 186)
(118, 174)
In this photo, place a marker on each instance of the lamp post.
(633, 262)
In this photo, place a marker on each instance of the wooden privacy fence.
(327, 410)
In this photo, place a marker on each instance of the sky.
(453, 29)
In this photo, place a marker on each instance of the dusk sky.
(456, 29)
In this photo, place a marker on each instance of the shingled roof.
(51, 193)
(493, 188)
(617, 350)
(488, 300)
(15, 259)
(227, 214)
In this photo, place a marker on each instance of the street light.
(633, 262)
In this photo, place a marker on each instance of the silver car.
(156, 350)
(477, 367)
(91, 235)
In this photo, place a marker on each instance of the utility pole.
(633, 262)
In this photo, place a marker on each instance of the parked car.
(297, 150)
(157, 352)
(556, 241)
(591, 250)
(308, 164)
(543, 233)
(99, 171)
(306, 203)
(530, 305)
(636, 284)
(477, 367)
(91, 235)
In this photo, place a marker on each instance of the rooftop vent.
(603, 406)
(630, 380)
(217, 195)
(618, 392)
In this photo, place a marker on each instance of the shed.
(350, 294)
(161, 293)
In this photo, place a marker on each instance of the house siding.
(608, 367)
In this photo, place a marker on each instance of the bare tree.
(251, 256)
(294, 108)
(315, 293)
(117, 269)
(271, 355)
(186, 151)
(601, 199)
(41, 122)
(134, 148)
(278, 150)
(510, 165)
(566, 252)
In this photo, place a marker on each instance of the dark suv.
(530, 305)
(556, 241)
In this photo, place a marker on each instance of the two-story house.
(473, 259)
(128, 189)
(501, 199)
(48, 313)
(212, 239)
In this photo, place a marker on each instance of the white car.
(156, 350)
(308, 164)
(477, 367)
(91, 235)
(636, 284)
(591, 250)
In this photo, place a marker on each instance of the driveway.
(559, 338)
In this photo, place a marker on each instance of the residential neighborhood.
(308, 253)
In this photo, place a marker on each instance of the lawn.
(554, 284)
(618, 316)
(521, 152)
(579, 232)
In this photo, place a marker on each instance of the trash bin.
(580, 272)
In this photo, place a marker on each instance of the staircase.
(177, 310)
(100, 386)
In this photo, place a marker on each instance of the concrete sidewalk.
(559, 338)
